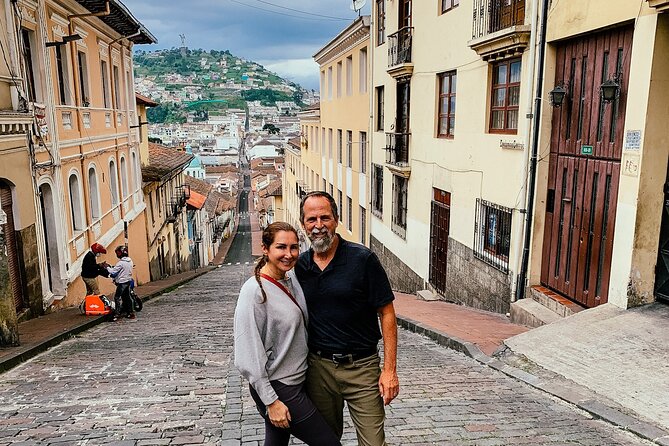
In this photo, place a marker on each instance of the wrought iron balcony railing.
(397, 148)
(495, 15)
(399, 47)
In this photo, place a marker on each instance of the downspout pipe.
(522, 276)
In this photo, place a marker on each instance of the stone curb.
(91, 321)
(570, 394)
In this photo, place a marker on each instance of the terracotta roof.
(273, 189)
(164, 161)
(196, 200)
(199, 186)
(315, 106)
(221, 169)
(264, 142)
(141, 99)
(295, 142)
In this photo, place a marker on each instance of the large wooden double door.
(584, 166)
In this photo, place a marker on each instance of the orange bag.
(95, 305)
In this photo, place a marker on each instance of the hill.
(197, 81)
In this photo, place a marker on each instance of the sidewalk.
(39, 334)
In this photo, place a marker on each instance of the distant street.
(167, 378)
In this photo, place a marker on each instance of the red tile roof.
(164, 161)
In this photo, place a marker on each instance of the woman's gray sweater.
(271, 336)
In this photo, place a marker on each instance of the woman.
(271, 343)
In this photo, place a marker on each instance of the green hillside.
(199, 82)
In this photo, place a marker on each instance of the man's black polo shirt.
(343, 299)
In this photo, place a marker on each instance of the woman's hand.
(278, 414)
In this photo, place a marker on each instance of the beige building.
(454, 150)
(86, 170)
(333, 153)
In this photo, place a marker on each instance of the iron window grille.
(377, 190)
(492, 234)
(399, 216)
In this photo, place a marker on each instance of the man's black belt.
(344, 358)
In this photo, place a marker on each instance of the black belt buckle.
(341, 358)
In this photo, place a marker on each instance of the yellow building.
(79, 86)
(333, 153)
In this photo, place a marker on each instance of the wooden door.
(11, 246)
(584, 167)
(439, 229)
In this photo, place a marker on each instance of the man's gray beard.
(321, 244)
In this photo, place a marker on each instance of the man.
(122, 275)
(90, 269)
(346, 288)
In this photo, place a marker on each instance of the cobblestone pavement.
(167, 378)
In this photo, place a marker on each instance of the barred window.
(363, 225)
(349, 213)
(492, 234)
(399, 216)
(377, 190)
(340, 206)
(340, 144)
(363, 152)
(349, 148)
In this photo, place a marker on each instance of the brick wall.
(474, 283)
(402, 278)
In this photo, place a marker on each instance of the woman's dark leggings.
(307, 424)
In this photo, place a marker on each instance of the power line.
(285, 14)
(302, 12)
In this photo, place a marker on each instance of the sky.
(281, 35)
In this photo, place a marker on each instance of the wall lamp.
(66, 39)
(610, 89)
(557, 95)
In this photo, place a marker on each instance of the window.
(131, 92)
(379, 108)
(330, 83)
(63, 75)
(331, 190)
(113, 183)
(399, 216)
(323, 83)
(363, 152)
(75, 203)
(340, 143)
(505, 96)
(153, 216)
(339, 78)
(83, 79)
(31, 64)
(446, 123)
(117, 88)
(349, 213)
(380, 21)
(93, 194)
(124, 178)
(106, 97)
(492, 234)
(340, 206)
(447, 5)
(349, 148)
(330, 143)
(363, 225)
(363, 71)
(349, 75)
(377, 190)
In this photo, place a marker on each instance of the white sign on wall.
(633, 140)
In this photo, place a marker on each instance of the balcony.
(399, 53)
(397, 153)
(661, 5)
(499, 29)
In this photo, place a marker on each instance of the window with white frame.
(399, 216)
(362, 70)
(75, 203)
(363, 152)
(83, 79)
(106, 89)
(113, 183)
(377, 190)
(93, 194)
(31, 59)
(124, 178)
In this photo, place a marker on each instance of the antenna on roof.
(357, 5)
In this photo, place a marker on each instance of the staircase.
(542, 307)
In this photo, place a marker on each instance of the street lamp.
(66, 39)
(557, 95)
(610, 89)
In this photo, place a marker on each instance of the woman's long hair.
(268, 235)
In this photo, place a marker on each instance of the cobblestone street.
(167, 378)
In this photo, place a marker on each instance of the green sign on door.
(586, 150)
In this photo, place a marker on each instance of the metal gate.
(584, 166)
(11, 246)
(439, 227)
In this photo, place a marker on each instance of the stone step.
(554, 302)
(531, 313)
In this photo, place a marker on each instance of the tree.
(271, 129)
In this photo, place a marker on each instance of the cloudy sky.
(282, 35)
